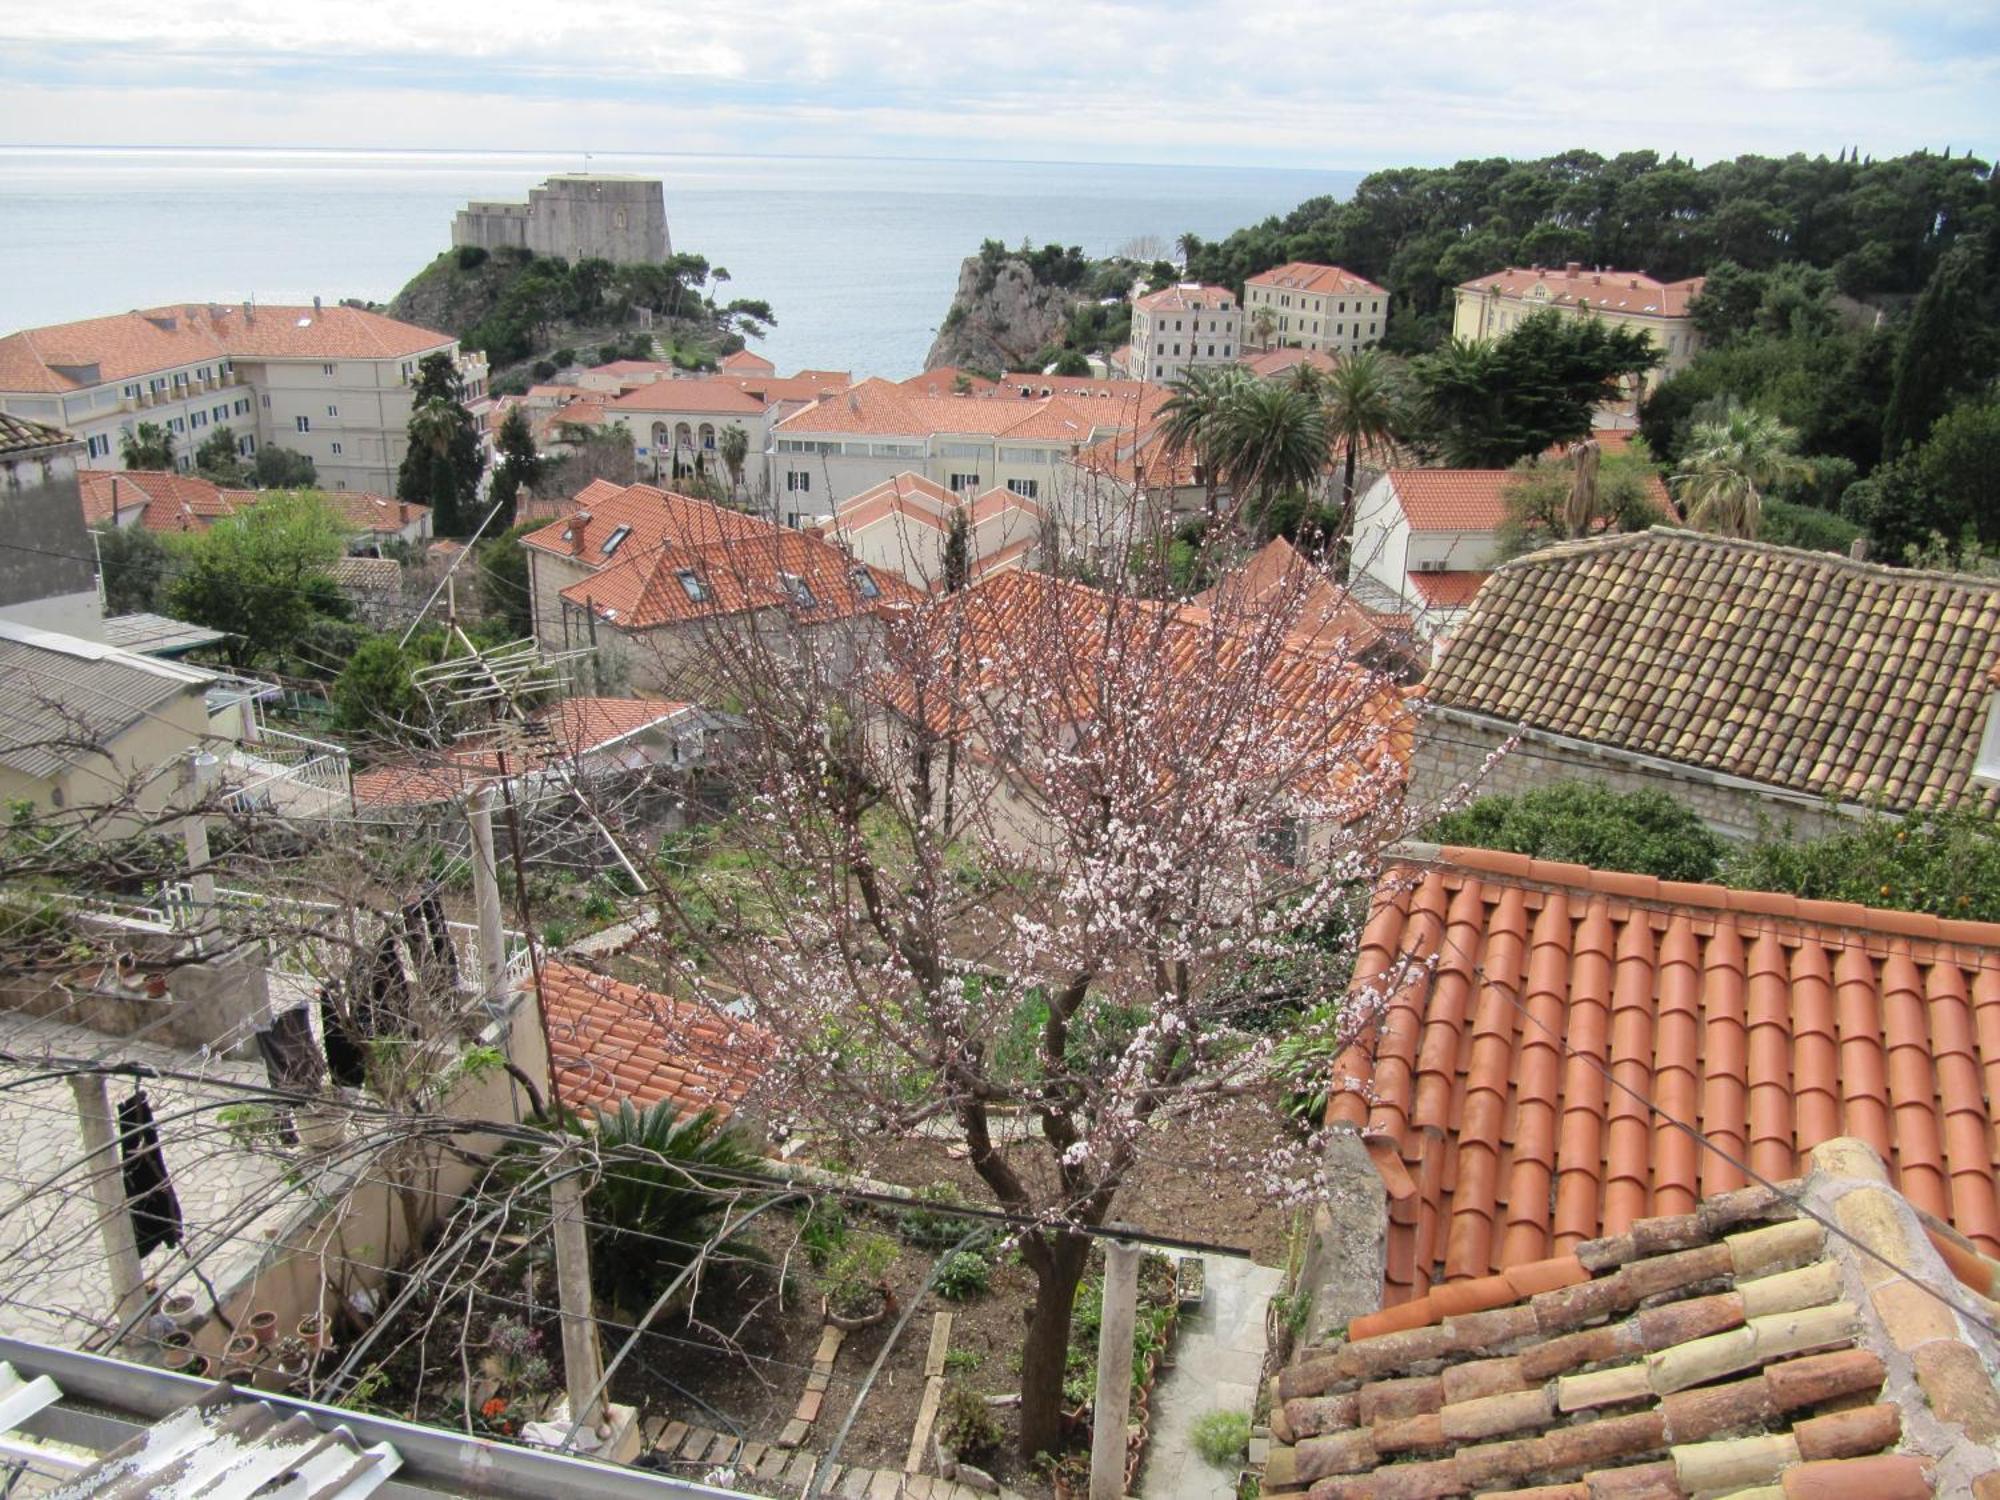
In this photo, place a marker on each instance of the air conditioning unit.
(1432, 565)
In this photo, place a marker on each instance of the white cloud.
(1345, 83)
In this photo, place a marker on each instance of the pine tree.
(1945, 349)
(518, 463)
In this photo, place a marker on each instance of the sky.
(1300, 83)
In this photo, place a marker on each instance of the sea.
(858, 256)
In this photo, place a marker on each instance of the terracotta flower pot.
(156, 986)
(180, 1306)
(242, 1348)
(188, 1362)
(263, 1325)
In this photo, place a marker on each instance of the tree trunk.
(1045, 1351)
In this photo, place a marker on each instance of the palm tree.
(433, 425)
(151, 447)
(1263, 323)
(1273, 439)
(1364, 409)
(1730, 461)
(735, 449)
(1192, 420)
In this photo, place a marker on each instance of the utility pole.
(583, 1360)
(486, 896)
(1114, 1371)
(107, 1185)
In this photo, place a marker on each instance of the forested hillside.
(1878, 226)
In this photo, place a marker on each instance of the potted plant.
(858, 1293)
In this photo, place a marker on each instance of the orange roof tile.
(366, 511)
(1801, 670)
(806, 576)
(652, 516)
(1448, 590)
(1526, 1011)
(1324, 613)
(73, 356)
(572, 728)
(1273, 362)
(1189, 296)
(1573, 286)
(878, 408)
(720, 396)
(615, 1041)
(1304, 276)
(746, 363)
(171, 502)
(1472, 499)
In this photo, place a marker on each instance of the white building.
(677, 426)
(904, 524)
(1180, 328)
(1307, 306)
(331, 382)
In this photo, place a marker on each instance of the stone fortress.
(579, 216)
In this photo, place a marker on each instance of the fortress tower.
(579, 216)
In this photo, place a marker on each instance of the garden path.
(1218, 1356)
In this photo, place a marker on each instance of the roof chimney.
(249, 311)
(1573, 268)
(315, 304)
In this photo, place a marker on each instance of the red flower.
(494, 1406)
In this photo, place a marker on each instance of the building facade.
(53, 586)
(331, 382)
(1181, 328)
(1490, 306)
(579, 216)
(1307, 306)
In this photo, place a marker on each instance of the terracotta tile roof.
(1188, 297)
(171, 502)
(1473, 499)
(878, 408)
(653, 516)
(907, 494)
(1448, 590)
(635, 367)
(1304, 276)
(1573, 286)
(1012, 617)
(19, 435)
(366, 575)
(616, 1041)
(745, 363)
(809, 578)
(1520, 1012)
(95, 351)
(573, 728)
(1276, 575)
(1736, 1348)
(941, 380)
(364, 510)
(1283, 361)
(720, 396)
(1802, 670)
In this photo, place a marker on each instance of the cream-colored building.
(904, 524)
(1185, 327)
(1307, 306)
(331, 382)
(1490, 306)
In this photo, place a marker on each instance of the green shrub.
(1221, 1437)
(1946, 863)
(823, 1231)
(1804, 526)
(854, 1274)
(471, 257)
(928, 1229)
(1581, 822)
(963, 1276)
(966, 1424)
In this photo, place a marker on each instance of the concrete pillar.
(486, 895)
(200, 776)
(583, 1360)
(1114, 1371)
(99, 1128)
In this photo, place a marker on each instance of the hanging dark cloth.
(430, 940)
(291, 1060)
(346, 1062)
(382, 1004)
(149, 1192)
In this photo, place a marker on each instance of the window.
(243, 407)
(100, 447)
(203, 372)
(246, 446)
(798, 588)
(326, 369)
(1025, 488)
(964, 482)
(131, 392)
(1280, 842)
(156, 385)
(333, 411)
(337, 448)
(865, 584)
(798, 483)
(198, 419)
(175, 424)
(691, 585)
(1211, 351)
(618, 534)
(221, 413)
(305, 423)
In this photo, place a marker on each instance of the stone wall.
(579, 217)
(1452, 749)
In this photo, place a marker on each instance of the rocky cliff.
(1002, 315)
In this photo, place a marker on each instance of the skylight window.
(691, 585)
(796, 587)
(618, 534)
(865, 584)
